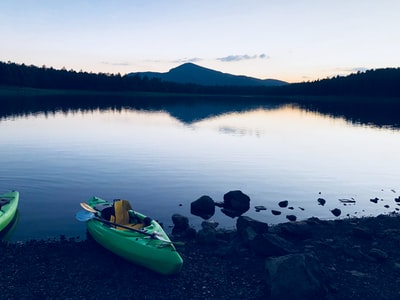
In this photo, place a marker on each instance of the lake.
(163, 157)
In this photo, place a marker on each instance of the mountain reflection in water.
(164, 153)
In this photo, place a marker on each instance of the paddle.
(87, 207)
(87, 215)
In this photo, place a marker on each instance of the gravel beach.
(360, 256)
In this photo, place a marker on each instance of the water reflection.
(188, 109)
(257, 122)
(164, 157)
(377, 112)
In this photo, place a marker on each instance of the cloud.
(116, 63)
(187, 60)
(231, 58)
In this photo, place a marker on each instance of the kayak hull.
(8, 208)
(157, 254)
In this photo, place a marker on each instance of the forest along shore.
(356, 258)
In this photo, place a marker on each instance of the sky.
(290, 40)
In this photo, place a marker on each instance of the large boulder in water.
(203, 207)
(235, 204)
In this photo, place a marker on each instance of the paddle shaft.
(152, 235)
(92, 210)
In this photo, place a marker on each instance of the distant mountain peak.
(190, 67)
(187, 65)
(195, 74)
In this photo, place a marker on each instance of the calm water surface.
(162, 164)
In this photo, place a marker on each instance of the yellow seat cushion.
(121, 208)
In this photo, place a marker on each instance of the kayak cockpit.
(3, 202)
(121, 212)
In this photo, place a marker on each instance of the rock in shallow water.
(283, 203)
(291, 218)
(235, 204)
(374, 200)
(203, 207)
(259, 208)
(275, 212)
(336, 212)
(321, 201)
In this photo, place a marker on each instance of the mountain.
(192, 73)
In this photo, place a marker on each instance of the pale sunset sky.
(290, 40)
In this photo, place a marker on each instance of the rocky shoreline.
(355, 258)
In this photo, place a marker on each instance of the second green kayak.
(8, 208)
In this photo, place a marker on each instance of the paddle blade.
(87, 207)
(84, 215)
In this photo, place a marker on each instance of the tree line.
(12, 74)
(378, 82)
(373, 83)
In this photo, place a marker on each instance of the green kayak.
(132, 235)
(8, 208)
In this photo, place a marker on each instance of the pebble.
(291, 218)
(283, 203)
(336, 212)
(275, 212)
